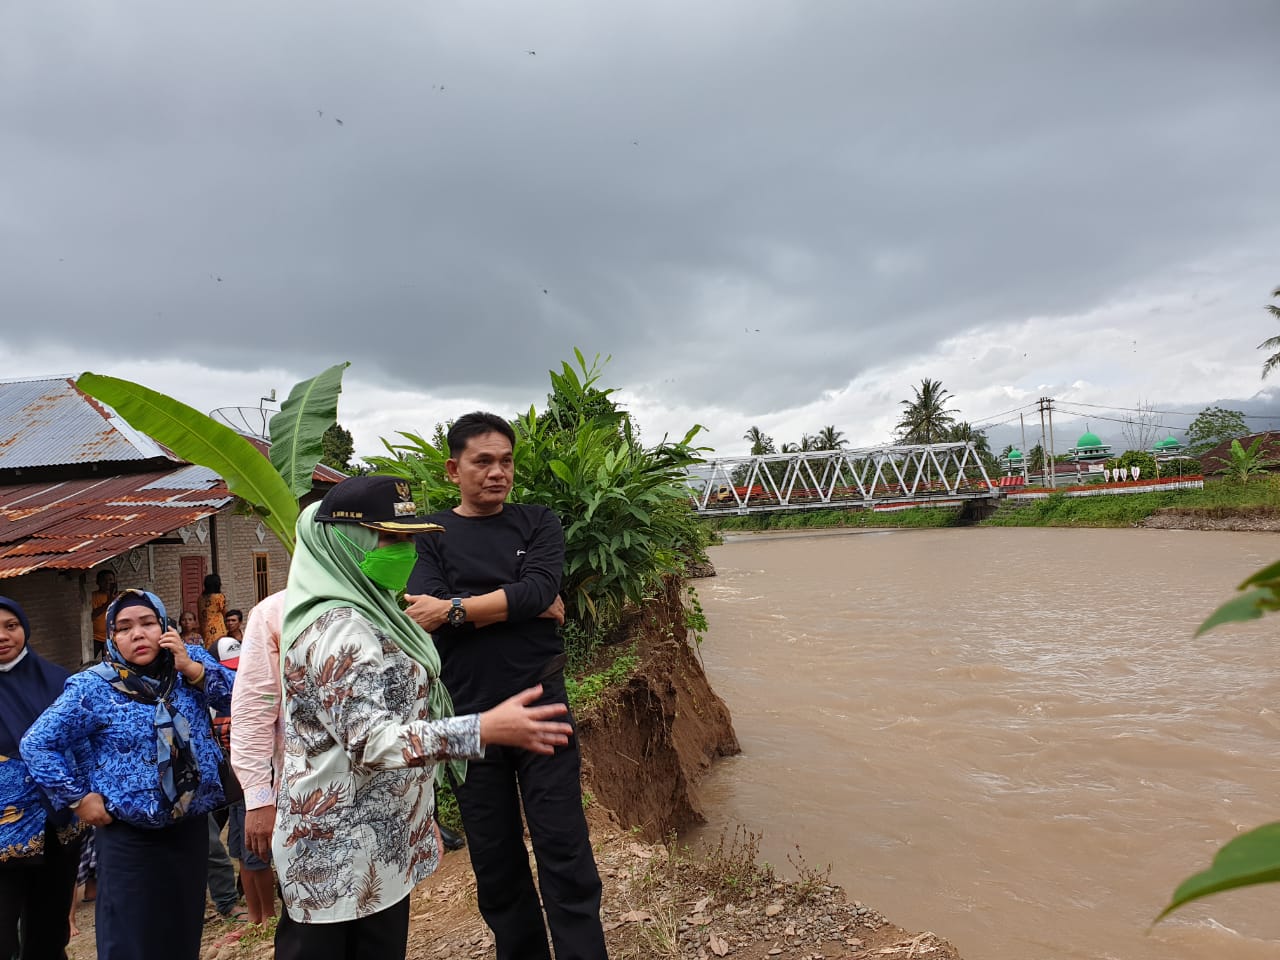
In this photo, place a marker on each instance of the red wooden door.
(192, 583)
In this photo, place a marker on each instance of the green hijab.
(324, 576)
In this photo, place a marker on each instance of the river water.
(1008, 737)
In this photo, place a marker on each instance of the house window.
(261, 576)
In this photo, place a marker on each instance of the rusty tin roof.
(49, 422)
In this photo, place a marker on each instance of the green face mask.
(388, 567)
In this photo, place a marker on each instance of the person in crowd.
(366, 719)
(235, 625)
(257, 743)
(255, 872)
(100, 600)
(189, 628)
(39, 850)
(212, 607)
(86, 878)
(143, 714)
(223, 888)
(488, 590)
(257, 738)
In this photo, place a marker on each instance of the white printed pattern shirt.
(355, 810)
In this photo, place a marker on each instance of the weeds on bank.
(814, 519)
(810, 881)
(585, 692)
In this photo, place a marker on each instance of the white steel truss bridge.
(892, 477)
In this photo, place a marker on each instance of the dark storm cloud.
(758, 200)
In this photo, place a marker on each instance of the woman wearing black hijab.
(39, 850)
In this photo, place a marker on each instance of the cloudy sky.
(772, 213)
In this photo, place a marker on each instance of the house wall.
(53, 601)
(57, 603)
(238, 544)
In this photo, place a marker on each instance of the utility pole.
(1044, 449)
(1049, 406)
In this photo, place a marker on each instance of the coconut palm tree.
(761, 443)
(1271, 343)
(829, 438)
(927, 418)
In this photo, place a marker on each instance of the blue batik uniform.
(121, 735)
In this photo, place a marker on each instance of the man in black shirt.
(487, 589)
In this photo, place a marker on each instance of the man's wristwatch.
(457, 613)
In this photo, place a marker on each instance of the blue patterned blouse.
(122, 741)
(22, 813)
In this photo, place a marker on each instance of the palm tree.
(761, 443)
(829, 438)
(1271, 343)
(927, 418)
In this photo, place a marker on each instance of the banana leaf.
(195, 437)
(297, 431)
(1249, 859)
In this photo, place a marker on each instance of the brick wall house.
(81, 492)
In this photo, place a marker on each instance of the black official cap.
(380, 503)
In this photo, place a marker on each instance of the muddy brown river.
(1008, 737)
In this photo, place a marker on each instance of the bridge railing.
(849, 477)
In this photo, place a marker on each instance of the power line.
(1163, 413)
(996, 416)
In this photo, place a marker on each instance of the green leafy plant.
(310, 410)
(624, 505)
(1252, 857)
(1244, 465)
(195, 437)
(270, 487)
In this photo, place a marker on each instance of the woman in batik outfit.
(39, 850)
(143, 714)
(365, 721)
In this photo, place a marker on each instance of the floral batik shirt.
(355, 810)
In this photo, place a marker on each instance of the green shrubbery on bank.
(1219, 498)
(817, 519)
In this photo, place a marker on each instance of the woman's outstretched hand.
(513, 723)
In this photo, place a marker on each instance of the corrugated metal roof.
(78, 524)
(190, 477)
(49, 422)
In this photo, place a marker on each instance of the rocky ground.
(659, 903)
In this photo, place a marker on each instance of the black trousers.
(379, 936)
(37, 897)
(151, 884)
(551, 795)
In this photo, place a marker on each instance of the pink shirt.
(257, 728)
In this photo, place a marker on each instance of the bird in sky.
(337, 121)
(320, 114)
(532, 53)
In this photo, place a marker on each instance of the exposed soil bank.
(1244, 519)
(647, 744)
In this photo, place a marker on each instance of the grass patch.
(1219, 498)
(821, 519)
(585, 691)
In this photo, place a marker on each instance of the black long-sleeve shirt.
(521, 551)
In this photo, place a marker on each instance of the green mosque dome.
(1090, 439)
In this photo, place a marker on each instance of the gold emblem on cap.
(402, 490)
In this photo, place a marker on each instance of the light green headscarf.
(324, 576)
